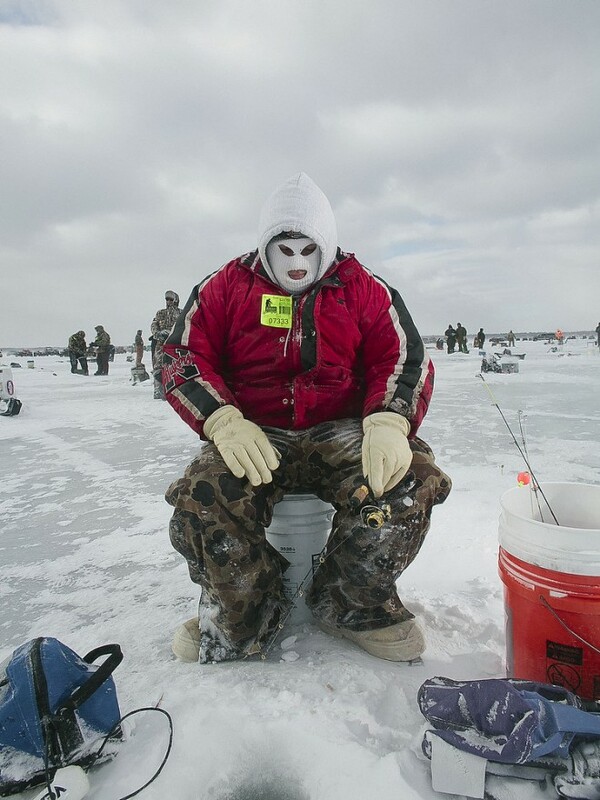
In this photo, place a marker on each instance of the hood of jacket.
(298, 205)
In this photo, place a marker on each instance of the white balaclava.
(294, 260)
(297, 208)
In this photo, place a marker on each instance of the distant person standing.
(163, 321)
(598, 334)
(139, 348)
(77, 353)
(479, 339)
(461, 338)
(102, 347)
(450, 335)
(511, 338)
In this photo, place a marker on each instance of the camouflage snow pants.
(157, 365)
(219, 527)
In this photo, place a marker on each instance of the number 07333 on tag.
(276, 311)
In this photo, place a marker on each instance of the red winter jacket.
(352, 349)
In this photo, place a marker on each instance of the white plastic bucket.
(30, 364)
(7, 386)
(572, 546)
(299, 530)
(551, 577)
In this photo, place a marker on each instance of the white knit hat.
(299, 205)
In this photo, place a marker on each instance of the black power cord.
(116, 727)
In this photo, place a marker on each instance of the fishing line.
(518, 446)
(302, 587)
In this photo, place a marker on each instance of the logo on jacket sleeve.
(276, 311)
(182, 366)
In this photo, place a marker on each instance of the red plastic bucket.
(551, 578)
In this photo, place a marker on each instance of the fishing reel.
(373, 515)
(376, 516)
(376, 513)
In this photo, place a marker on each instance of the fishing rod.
(534, 484)
(519, 448)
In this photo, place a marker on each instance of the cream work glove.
(243, 445)
(386, 454)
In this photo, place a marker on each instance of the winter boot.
(401, 642)
(186, 642)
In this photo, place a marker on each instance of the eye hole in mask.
(306, 251)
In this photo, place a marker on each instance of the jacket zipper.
(296, 337)
(297, 302)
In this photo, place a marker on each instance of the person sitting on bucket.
(323, 395)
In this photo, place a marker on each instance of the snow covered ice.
(86, 558)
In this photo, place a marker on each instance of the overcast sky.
(457, 140)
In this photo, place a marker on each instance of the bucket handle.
(565, 626)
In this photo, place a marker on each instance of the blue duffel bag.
(56, 709)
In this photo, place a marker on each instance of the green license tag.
(276, 311)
